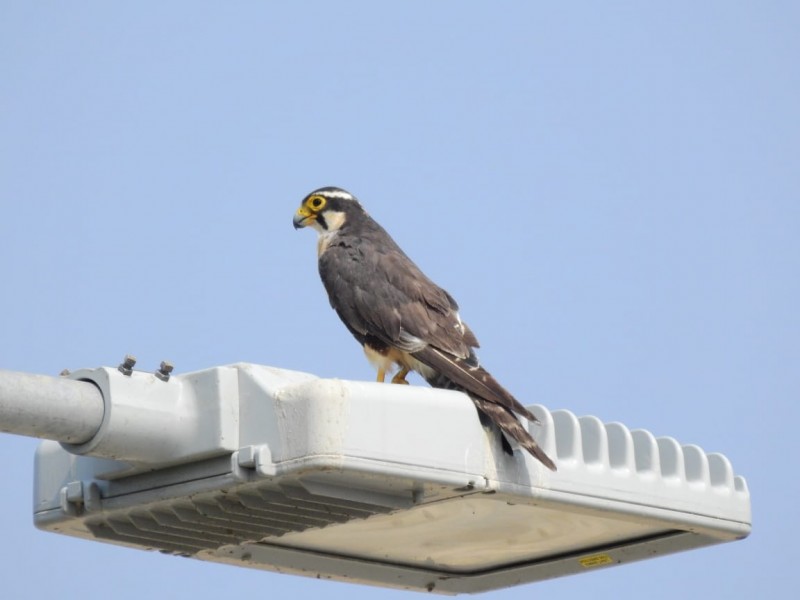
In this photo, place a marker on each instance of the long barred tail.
(500, 416)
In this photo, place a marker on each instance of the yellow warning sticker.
(595, 560)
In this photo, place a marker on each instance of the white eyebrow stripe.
(336, 194)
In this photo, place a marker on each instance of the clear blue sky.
(610, 190)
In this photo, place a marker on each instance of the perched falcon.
(398, 315)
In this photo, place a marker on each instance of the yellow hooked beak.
(303, 217)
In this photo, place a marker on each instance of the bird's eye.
(316, 202)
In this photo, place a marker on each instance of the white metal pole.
(53, 408)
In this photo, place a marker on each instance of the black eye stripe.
(321, 221)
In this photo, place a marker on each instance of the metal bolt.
(126, 367)
(164, 370)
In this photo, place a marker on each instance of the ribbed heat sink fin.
(209, 521)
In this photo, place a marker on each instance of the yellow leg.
(400, 376)
(381, 375)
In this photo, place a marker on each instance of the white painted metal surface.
(374, 483)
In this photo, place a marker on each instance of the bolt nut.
(126, 367)
(164, 370)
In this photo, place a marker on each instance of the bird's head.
(326, 209)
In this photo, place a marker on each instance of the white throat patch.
(334, 220)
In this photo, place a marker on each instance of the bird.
(402, 319)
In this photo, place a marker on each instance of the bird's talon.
(400, 377)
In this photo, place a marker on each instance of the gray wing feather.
(377, 290)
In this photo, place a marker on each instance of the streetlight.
(387, 485)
